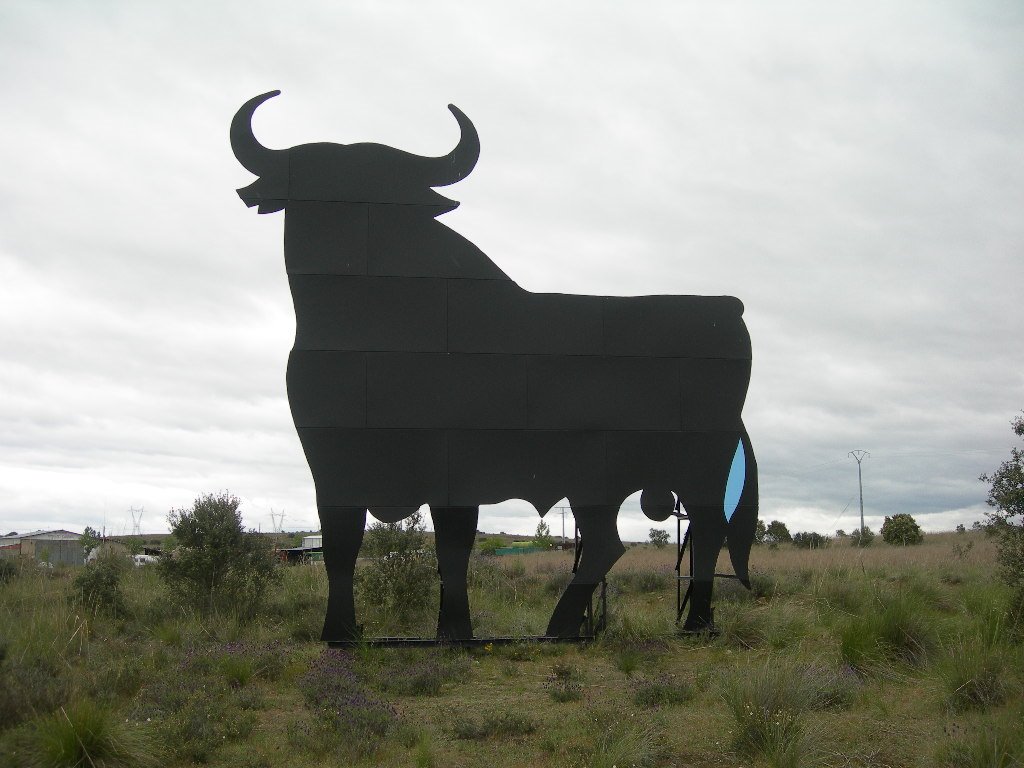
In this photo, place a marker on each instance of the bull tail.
(740, 507)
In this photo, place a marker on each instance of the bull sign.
(422, 374)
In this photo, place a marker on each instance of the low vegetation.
(887, 655)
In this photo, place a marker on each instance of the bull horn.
(253, 156)
(456, 165)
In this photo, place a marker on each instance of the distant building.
(55, 547)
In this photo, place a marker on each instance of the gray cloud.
(853, 172)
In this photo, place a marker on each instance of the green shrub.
(901, 530)
(809, 540)
(218, 566)
(401, 580)
(490, 546)
(98, 585)
(863, 538)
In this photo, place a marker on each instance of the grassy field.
(837, 657)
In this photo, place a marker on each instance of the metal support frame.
(682, 541)
(593, 624)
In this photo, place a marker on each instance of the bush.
(402, 578)
(777, 533)
(901, 529)
(8, 570)
(98, 585)
(864, 538)
(490, 546)
(658, 537)
(217, 566)
(809, 540)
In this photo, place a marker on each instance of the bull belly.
(462, 467)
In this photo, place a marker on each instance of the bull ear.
(456, 165)
(253, 156)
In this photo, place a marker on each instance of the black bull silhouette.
(422, 374)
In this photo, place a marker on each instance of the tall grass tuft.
(85, 734)
(973, 675)
(999, 744)
(769, 704)
(895, 629)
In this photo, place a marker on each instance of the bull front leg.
(602, 547)
(342, 530)
(454, 535)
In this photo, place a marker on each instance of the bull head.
(358, 173)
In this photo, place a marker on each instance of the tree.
(401, 579)
(960, 528)
(217, 564)
(1006, 521)
(759, 532)
(491, 545)
(658, 537)
(840, 533)
(90, 540)
(542, 538)
(862, 538)
(901, 529)
(777, 533)
(809, 540)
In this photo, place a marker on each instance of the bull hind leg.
(715, 501)
(454, 534)
(342, 529)
(707, 535)
(601, 548)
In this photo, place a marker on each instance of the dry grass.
(495, 707)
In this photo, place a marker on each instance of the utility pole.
(562, 510)
(860, 455)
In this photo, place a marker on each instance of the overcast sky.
(853, 171)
